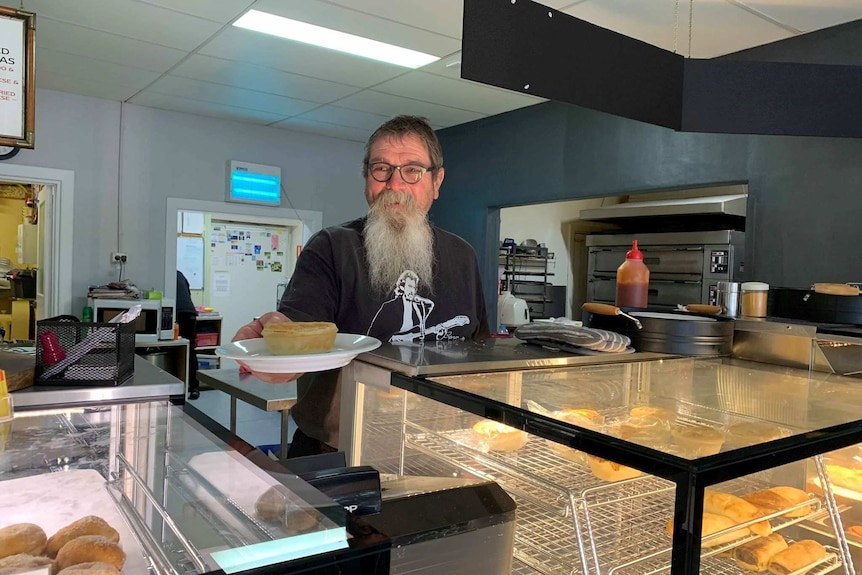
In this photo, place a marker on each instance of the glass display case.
(180, 500)
(616, 468)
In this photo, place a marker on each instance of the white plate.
(254, 354)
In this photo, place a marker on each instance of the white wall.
(120, 205)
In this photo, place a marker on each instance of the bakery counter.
(148, 383)
(148, 490)
(608, 462)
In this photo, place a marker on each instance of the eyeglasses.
(411, 173)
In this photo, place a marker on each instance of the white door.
(44, 262)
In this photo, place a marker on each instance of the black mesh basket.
(86, 354)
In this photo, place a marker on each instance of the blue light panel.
(255, 188)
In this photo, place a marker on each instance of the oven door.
(659, 259)
(663, 293)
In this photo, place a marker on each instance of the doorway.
(55, 238)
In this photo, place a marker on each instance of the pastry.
(697, 440)
(799, 555)
(608, 470)
(653, 411)
(748, 433)
(779, 498)
(89, 525)
(298, 520)
(90, 548)
(22, 538)
(270, 506)
(756, 554)
(713, 523)
(499, 437)
(23, 562)
(644, 429)
(91, 568)
(845, 477)
(737, 509)
(299, 337)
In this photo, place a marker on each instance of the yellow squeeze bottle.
(5, 410)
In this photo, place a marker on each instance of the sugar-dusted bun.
(91, 568)
(608, 470)
(23, 562)
(89, 525)
(498, 436)
(299, 337)
(22, 538)
(90, 548)
(697, 440)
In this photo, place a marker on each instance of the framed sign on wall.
(17, 91)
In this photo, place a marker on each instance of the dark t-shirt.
(331, 283)
(184, 296)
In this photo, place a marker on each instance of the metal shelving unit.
(525, 274)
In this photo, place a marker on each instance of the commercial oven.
(685, 267)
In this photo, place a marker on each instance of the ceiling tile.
(652, 22)
(440, 16)
(129, 18)
(261, 79)
(364, 121)
(200, 108)
(51, 62)
(89, 43)
(806, 15)
(450, 66)
(462, 94)
(389, 105)
(221, 11)
(721, 28)
(323, 129)
(383, 27)
(271, 52)
(74, 84)
(230, 96)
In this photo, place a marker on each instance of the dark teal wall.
(805, 202)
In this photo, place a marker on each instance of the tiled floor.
(258, 427)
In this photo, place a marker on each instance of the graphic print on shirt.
(414, 311)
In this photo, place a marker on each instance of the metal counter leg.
(233, 414)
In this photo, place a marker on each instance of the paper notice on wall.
(274, 238)
(221, 284)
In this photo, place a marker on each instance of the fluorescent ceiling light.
(332, 39)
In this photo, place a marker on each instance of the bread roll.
(23, 562)
(737, 509)
(90, 548)
(748, 433)
(498, 436)
(713, 523)
(653, 411)
(22, 538)
(91, 568)
(756, 554)
(608, 470)
(270, 506)
(779, 498)
(697, 440)
(645, 430)
(299, 337)
(799, 555)
(89, 525)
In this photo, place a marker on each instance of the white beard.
(397, 240)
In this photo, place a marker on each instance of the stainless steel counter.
(148, 382)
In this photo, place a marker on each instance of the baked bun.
(798, 556)
(22, 538)
(278, 504)
(23, 562)
(713, 523)
(756, 554)
(270, 506)
(653, 411)
(89, 525)
(748, 433)
(779, 498)
(608, 470)
(90, 548)
(299, 337)
(91, 568)
(497, 436)
(697, 440)
(645, 430)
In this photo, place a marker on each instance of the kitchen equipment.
(727, 296)
(684, 266)
(513, 311)
(753, 299)
(701, 308)
(605, 309)
(671, 332)
(835, 289)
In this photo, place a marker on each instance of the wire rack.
(622, 525)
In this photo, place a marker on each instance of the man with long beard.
(347, 274)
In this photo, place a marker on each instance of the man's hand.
(254, 330)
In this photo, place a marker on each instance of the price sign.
(17, 91)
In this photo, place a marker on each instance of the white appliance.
(155, 323)
(512, 311)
